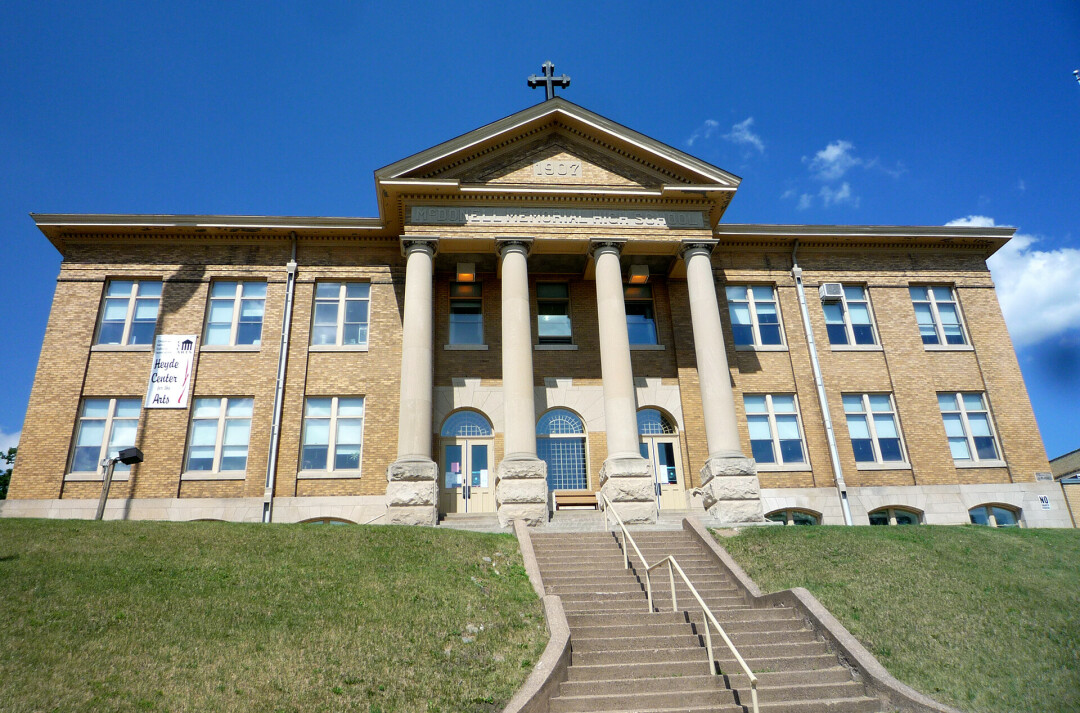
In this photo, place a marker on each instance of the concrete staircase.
(626, 658)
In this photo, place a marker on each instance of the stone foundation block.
(411, 492)
(635, 513)
(413, 515)
(532, 514)
(412, 470)
(521, 491)
(628, 484)
(732, 492)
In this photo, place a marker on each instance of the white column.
(517, 363)
(717, 399)
(412, 489)
(620, 402)
(521, 479)
(414, 419)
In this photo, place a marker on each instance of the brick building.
(547, 307)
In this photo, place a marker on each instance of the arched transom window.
(466, 424)
(894, 516)
(560, 442)
(651, 422)
(994, 515)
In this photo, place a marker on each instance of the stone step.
(702, 681)
(634, 606)
(629, 630)
(778, 679)
(803, 692)
(714, 699)
(626, 656)
(668, 668)
(630, 643)
(778, 614)
(768, 650)
(770, 664)
(860, 704)
(563, 589)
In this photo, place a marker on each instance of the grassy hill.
(981, 619)
(141, 616)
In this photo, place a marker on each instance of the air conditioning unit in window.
(831, 291)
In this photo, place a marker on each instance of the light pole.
(127, 456)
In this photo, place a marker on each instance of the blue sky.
(917, 113)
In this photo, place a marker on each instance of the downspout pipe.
(279, 390)
(830, 434)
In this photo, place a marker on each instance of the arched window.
(560, 442)
(327, 521)
(791, 516)
(466, 424)
(994, 515)
(651, 422)
(895, 516)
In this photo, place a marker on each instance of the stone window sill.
(337, 348)
(230, 348)
(784, 468)
(555, 347)
(761, 348)
(327, 475)
(892, 465)
(94, 477)
(647, 347)
(465, 347)
(980, 464)
(205, 475)
(122, 348)
(857, 348)
(948, 347)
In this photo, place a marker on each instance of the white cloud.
(833, 161)
(804, 201)
(1038, 289)
(742, 135)
(838, 196)
(8, 440)
(1020, 185)
(705, 131)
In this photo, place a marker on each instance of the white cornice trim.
(111, 220)
(556, 190)
(862, 231)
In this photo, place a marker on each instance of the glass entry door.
(467, 484)
(662, 453)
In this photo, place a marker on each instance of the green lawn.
(212, 616)
(981, 619)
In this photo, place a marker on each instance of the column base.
(628, 484)
(731, 491)
(412, 493)
(521, 492)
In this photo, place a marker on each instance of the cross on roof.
(549, 80)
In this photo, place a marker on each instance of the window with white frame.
(791, 516)
(968, 427)
(341, 314)
(848, 320)
(894, 516)
(129, 313)
(775, 432)
(873, 427)
(105, 427)
(560, 442)
(553, 313)
(938, 315)
(236, 313)
(333, 437)
(755, 316)
(994, 516)
(220, 430)
(640, 314)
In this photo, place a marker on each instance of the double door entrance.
(467, 482)
(663, 454)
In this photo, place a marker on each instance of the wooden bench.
(576, 500)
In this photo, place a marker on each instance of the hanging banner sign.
(172, 374)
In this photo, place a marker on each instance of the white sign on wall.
(171, 376)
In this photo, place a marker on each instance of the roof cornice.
(862, 231)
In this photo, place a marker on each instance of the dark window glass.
(864, 450)
(890, 449)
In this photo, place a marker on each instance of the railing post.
(648, 588)
(625, 552)
(708, 644)
(671, 576)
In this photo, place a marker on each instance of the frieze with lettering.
(602, 218)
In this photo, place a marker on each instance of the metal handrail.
(709, 617)
(673, 564)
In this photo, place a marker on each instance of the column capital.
(501, 244)
(597, 244)
(419, 242)
(696, 244)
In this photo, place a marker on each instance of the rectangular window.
(553, 313)
(236, 313)
(466, 313)
(755, 317)
(220, 428)
(333, 434)
(968, 427)
(938, 315)
(130, 312)
(873, 427)
(848, 320)
(341, 314)
(775, 432)
(640, 318)
(105, 427)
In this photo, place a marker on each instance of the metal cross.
(549, 80)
